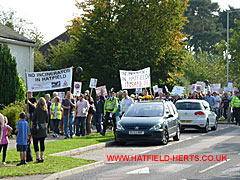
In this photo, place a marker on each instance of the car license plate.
(136, 132)
(186, 121)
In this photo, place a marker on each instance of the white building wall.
(24, 57)
(24, 54)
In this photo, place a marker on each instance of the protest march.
(72, 112)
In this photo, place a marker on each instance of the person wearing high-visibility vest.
(235, 104)
(110, 109)
(56, 115)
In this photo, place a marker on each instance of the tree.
(204, 66)
(234, 52)
(114, 35)
(12, 88)
(20, 25)
(40, 62)
(204, 27)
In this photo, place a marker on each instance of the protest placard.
(178, 90)
(155, 89)
(61, 95)
(215, 87)
(193, 88)
(138, 91)
(198, 88)
(160, 90)
(202, 84)
(93, 83)
(230, 86)
(101, 89)
(135, 79)
(77, 88)
(49, 80)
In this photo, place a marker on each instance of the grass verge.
(52, 164)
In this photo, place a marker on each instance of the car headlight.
(156, 127)
(119, 126)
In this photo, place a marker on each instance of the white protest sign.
(77, 88)
(49, 80)
(61, 95)
(198, 88)
(230, 86)
(201, 84)
(226, 89)
(138, 90)
(160, 90)
(135, 79)
(100, 90)
(193, 87)
(93, 83)
(215, 87)
(177, 90)
(155, 88)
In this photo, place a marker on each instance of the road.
(224, 141)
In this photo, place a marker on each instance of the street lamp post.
(228, 12)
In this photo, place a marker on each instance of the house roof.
(65, 37)
(8, 33)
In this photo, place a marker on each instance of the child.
(4, 143)
(22, 136)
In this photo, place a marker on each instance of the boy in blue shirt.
(22, 136)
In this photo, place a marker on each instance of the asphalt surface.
(223, 144)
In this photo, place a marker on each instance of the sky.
(51, 16)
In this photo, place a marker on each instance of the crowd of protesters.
(75, 116)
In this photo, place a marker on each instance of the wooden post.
(91, 92)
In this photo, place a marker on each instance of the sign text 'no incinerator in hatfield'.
(135, 79)
(49, 80)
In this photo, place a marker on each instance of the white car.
(196, 114)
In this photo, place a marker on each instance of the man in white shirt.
(217, 102)
(126, 102)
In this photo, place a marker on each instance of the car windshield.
(188, 106)
(145, 110)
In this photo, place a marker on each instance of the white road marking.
(213, 166)
(140, 171)
(173, 168)
(144, 152)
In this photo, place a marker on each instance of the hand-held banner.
(49, 80)
(135, 79)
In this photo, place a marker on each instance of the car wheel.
(119, 143)
(177, 136)
(205, 129)
(214, 128)
(165, 138)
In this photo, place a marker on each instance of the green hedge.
(12, 112)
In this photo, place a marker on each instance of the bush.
(12, 112)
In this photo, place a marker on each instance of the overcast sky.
(51, 16)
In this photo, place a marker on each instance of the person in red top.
(4, 142)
